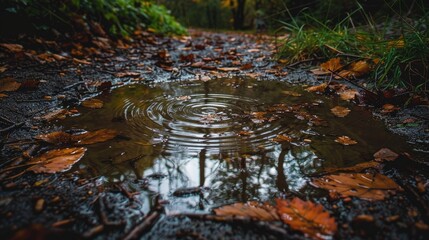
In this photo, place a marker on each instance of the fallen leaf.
(246, 66)
(9, 84)
(3, 69)
(291, 93)
(58, 138)
(348, 94)
(317, 88)
(58, 160)
(93, 103)
(56, 114)
(282, 138)
(29, 85)
(40, 203)
(367, 186)
(183, 98)
(245, 133)
(12, 47)
(2, 95)
(80, 61)
(319, 72)
(307, 217)
(253, 210)
(385, 154)
(357, 69)
(388, 108)
(332, 65)
(258, 117)
(98, 136)
(228, 69)
(345, 140)
(127, 74)
(340, 111)
(356, 168)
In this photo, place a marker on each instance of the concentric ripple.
(197, 121)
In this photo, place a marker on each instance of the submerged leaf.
(55, 138)
(92, 103)
(317, 88)
(345, 140)
(307, 217)
(251, 210)
(98, 136)
(385, 154)
(340, 111)
(58, 160)
(367, 186)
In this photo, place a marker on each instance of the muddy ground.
(72, 206)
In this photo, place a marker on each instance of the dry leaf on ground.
(12, 47)
(340, 111)
(228, 69)
(363, 185)
(388, 108)
(58, 160)
(332, 65)
(9, 84)
(307, 217)
(98, 136)
(345, 140)
(385, 154)
(357, 69)
(251, 210)
(317, 88)
(93, 103)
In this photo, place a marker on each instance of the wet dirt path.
(87, 202)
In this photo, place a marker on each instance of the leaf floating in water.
(253, 210)
(318, 88)
(183, 98)
(345, 140)
(340, 111)
(56, 114)
(58, 160)
(87, 138)
(282, 138)
(356, 168)
(367, 186)
(57, 138)
(385, 154)
(93, 103)
(348, 94)
(293, 94)
(98, 136)
(307, 217)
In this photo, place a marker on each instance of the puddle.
(204, 144)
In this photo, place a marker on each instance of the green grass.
(401, 47)
(117, 17)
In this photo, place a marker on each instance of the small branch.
(143, 226)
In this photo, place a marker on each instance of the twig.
(35, 100)
(103, 216)
(303, 61)
(143, 226)
(129, 195)
(10, 128)
(93, 231)
(6, 120)
(73, 85)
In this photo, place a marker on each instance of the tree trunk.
(238, 14)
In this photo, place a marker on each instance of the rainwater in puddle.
(205, 144)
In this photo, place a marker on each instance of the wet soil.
(94, 201)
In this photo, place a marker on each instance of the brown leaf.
(348, 94)
(307, 217)
(127, 74)
(345, 140)
(357, 69)
(56, 114)
(2, 95)
(291, 93)
(356, 168)
(332, 65)
(58, 160)
(228, 69)
(55, 138)
(253, 210)
(388, 108)
(340, 111)
(98, 136)
(12, 47)
(93, 103)
(363, 185)
(246, 66)
(282, 138)
(3, 69)
(9, 84)
(385, 154)
(318, 88)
